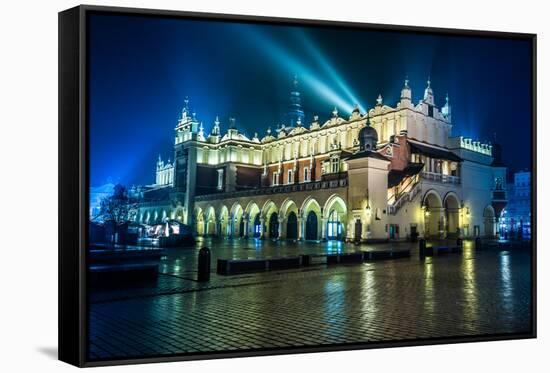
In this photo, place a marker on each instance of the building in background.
(515, 221)
(395, 172)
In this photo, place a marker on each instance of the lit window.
(306, 174)
(275, 177)
(290, 177)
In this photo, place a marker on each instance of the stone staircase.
(404, 198)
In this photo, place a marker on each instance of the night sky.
(141, 70)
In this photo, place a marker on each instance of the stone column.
(280, 228)
(231, 226)
(262, 227)
(300, 226)
(245, 226)
(323, 229)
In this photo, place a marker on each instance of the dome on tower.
(368, 137)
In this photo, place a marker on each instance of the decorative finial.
(217, 121)
(315, 118)
(379, 100)
(429, 82)
(447, 99)
(269, 130)
(299, 122)
(335, 112)
(356, 107)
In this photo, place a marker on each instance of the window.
(220, 179)
(275, 178)
(306, 174)
(334, 165)
(290, 177)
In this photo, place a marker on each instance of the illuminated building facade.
(515, 220)
(391, 173)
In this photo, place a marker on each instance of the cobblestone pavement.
(473, 293)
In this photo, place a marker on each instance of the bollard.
(478, 243)
(204, 265)
(422, 248)
(459, 242)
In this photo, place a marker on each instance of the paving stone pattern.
(474, 293)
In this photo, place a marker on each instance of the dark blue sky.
(142, 68)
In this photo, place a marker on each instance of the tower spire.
(295, 112)
(406, 93)
(428, 93)
(216, 128)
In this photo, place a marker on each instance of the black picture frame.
(74, 176)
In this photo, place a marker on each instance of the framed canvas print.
(238, 186)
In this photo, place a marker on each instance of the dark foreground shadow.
(50, 352)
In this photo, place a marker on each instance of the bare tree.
(117, 208)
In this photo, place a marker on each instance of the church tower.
(367, 190)
(295, 115)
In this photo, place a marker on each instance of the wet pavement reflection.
(473, 293)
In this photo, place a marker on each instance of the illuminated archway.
(489, 221)
(224, 221)
(236, 215)
(268, 209)
(289, 214)
(253, 213)
(199, 221)
(335, 212)
(452, 214)
(312, 212)
(210, 220)
(433, 217)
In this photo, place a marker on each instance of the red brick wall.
(401, 154)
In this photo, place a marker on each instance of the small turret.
(200, 135)
(379, 100)
(406, 93)
(160, 163)
(429, 94)
(216, 128)
(446, 110)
